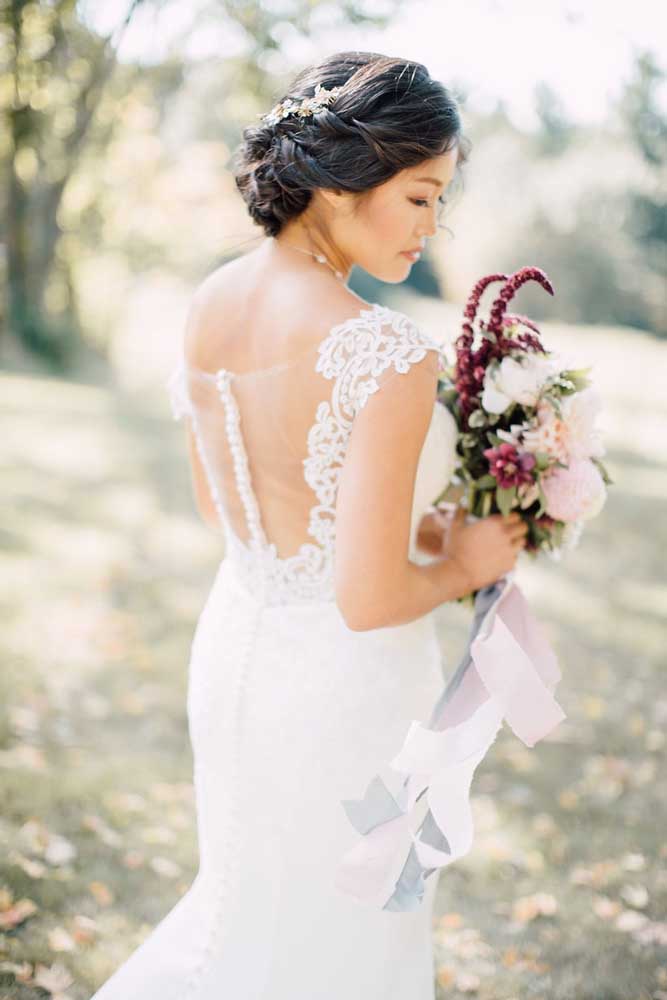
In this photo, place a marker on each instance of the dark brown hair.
(388, 116)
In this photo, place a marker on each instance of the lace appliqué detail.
(354, 354)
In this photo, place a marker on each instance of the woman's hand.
(487, 549)
(431, 533)
(436, 530)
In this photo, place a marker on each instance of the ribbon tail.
(507, 672)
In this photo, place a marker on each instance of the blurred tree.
(54, 70)
(646, 221)
(555, 132)
(52, 73)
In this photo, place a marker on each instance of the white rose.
(517, 380)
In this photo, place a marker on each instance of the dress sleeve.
(392, 348)
(177, 389)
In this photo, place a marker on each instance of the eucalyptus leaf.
(486, 482)
(505, 496)
(543, 501)
(486, 503)
(477, 418)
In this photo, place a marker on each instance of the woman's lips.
(411, 254)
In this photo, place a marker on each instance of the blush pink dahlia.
(574, 492)
(509, 466)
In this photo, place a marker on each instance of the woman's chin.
(394, 275)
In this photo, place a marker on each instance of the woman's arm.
(376, 583)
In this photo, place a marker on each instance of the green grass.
(105, 569)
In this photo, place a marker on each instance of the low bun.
(269, 176)
(388, 115)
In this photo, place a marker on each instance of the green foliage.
(556, 131)
(505, 497)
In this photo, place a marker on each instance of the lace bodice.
(272, 468)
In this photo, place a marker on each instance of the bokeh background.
(117, 123)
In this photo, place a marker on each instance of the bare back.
(275, 371)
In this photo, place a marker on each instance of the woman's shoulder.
(322, 313)
(243, 283)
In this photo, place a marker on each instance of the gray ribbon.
(379, 806)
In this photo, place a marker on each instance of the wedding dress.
(289, 710)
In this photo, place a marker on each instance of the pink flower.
(574, 493)
(509, 466)
(548, 433)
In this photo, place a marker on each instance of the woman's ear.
(339, 201)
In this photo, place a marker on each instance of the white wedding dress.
(289, 710)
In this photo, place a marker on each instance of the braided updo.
(389, 115)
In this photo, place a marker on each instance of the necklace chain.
(320, 258)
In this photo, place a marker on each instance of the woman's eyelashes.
(423, 202)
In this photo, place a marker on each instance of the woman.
(316, 445)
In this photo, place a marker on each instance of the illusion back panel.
(260, 438)
(273, 442)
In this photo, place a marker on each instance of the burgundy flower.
(509, 290)
(471, 363)
(509, 466)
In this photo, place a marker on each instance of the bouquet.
(526, 440)
(527, 435)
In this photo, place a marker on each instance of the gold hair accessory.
(304, 107)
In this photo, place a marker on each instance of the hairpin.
(304, 107)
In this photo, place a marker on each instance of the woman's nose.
(432, 227)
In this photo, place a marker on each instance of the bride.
(316, 447)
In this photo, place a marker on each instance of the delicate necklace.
(321, 258)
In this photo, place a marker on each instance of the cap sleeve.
(390, 349)
(177, 390)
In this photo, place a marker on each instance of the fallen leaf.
(605, 908)
(31, 866)
(568, 799)
(84, 929)
(59, 850)
(165, 867)
(635, 895)
(61, 940)
(527, 908)
(54, 978)
(630, 920)
(23, 755)
(652, 933)
(102, 893)
(633, 862)
(105, 833)
(158, 835)
(22, 973)
(446, 976)
(450, 920)
(16, 914)
(467, 982)
(34, 835)
(133, 859)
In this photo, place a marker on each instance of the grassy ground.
(105, 569)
